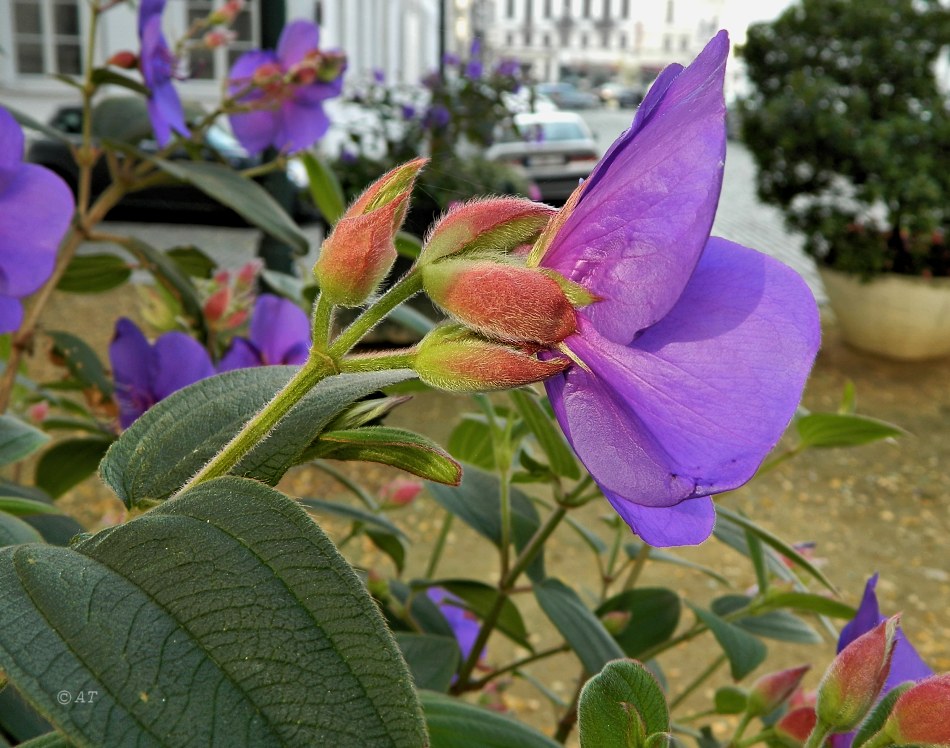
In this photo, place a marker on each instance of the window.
(586, 8)
(625, 9)
(684, 42)
(546, 40)
(46, 37)
(583, 41)
(667, 43)
(511, 9)
(212, 64)
(623, 40)
(548, 9)
(669, 11)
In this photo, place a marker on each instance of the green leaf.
(550, 439)
(177, 436)
(20, 506)
(247, 198)
(49, 740)
(18, 439)
(470, 441)
(875, 720)
(744, 651)
(81, 361)
(25, 120)
(592, 643)
(622, 707)
(393, 546)
(458, 724)
(325, 188)
(654, 616)
(192, 261)
(476, 501)
(757, 554)
(352, 513)
(810, 603)
(14, 531)
(362, 412)
(480, 599)
(109, 77)
(224, 616)
(19, 722)
(432, 660)
(94, 274)
(408, 245)
(843, 430)
(730, 700)
(773, 624)
(167, 273)
(397, 447)
(121, 118)
(69, 462)
(589, 537)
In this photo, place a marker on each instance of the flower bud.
(38, 411)
(400, 492)
(217, 304)
(856, 676)
(226, 13)
(795, 726)
(502, 301)
(124, 59)
(247, 274)
(217, 38)
(489, 227)
(456, 359)
(360, 250)
(921, 715)
(770, 691)
(616, 621)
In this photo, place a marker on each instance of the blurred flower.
(474, 69)
(463, 623)
(379, 75)
(508, 67)
(146, 373)
(218, 38)
(227, 12)
(436, 117)
(36, 207)
(158, 70)
(280, 334)
(400, 491)
(694, 357)
(124, 59)
(38, 412)
(407, 111)
(772, 690)
(285, 91)
(450, 58)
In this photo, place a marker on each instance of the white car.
(554, 149)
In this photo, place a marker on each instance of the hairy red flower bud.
(125, 59)
(854, 679)
(456, 359)
(502, 301)
(921, 715)
(794, 727)
(770, 691)
(217, 304)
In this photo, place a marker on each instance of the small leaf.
(470, 441)
(843, 430)
(654, 616)
(811, 603)
(166, 271)
(81, 360)
(480, 598)
(18, 439)
(20, 506)
(771, 624)
(432, 660)
(69, 462)
(730, 700)
(457, 724)
(875, 720)
(392, 545)
(109, 77)
(550, 439)
(25, 120)
(591, 538)
(757, 554)
(397, 447)
(247, 198)
(622, 707)
(192, 261)
(352, 513)
(592, 643)
(365, 412)
(94, 274)
(121, 118)
(14, 531)
(325, 188)
(744, 651)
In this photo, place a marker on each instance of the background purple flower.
(146, 373)
(279, 334)
(463, 623)
(436, 117)
(158, 70)
(474, 69)
(36, 207)
(287, 115)
(697, 349)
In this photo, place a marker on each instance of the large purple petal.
(157, 62)
(696, 402)
(301, 125)
(132, 361)
(36, 207)
(279, 329)
(241, 354)
(639, 229)
(256, 130)
(687, 523)
(11, 143)
(867, 617)
(296, 40)
(148, 9)
(179, 361)
(11, 314)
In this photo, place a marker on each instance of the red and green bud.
(921, 715)
(456, 359)
(770, 691)
(227, 12)
(217, 305)
(491, 227)
(400, 492)
(360, 250)
(616, 621)
(795, 726)
(501, 301)
(854, 679)
(124, 59)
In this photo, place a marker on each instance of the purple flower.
(474, 69)
(379, 75)
(509, 68)
(280, 334)
(158, 69)
(408, 111)
(436, 117)
(463, 623)
(906, 664)
(146, 373)
(450, 58)
(696, 350)
(35, 210)
(285, 90)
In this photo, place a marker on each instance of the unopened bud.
(854, 679)
(485, 228)
(125, 59)
(236, 319)
(921, 715)
(226, 13)
(218, 38)
(331, 66)
(360, 250)
(377, 585)
(616, 621)
(400, 491)
(247, 275)
(502, 301)
(38, 411)
(770, 691)
(217, 304)
(456, 359)
(795, 726)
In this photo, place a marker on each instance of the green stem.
(566, 724)
(378, 361)
(761, 737)
(517, 664)
(737, 735)
(436, 555)
(260, 426)
(700, 679)
(638, 563)
(409, 285)
(818, 735)
(322, 323)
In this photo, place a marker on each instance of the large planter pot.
(898, 316)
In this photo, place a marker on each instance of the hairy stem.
(405, 288)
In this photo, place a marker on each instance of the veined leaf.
(744, 651)
(94, 274)
(843, 430)
(623, 707)
(18, 439)
(654, 616)
(457, 724)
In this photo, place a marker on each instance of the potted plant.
(850, 129)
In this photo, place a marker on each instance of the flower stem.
(638, 563)
(698, 681)
(409, 285)
(260, 425)
(542, 655)
(818, 735)
(322, 322)
(436, 555)
(378, 361)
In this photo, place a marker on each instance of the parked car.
(169, 203)
(554, 149)
(624, 96)
(568, 96)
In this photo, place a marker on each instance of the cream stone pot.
(898, 316)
